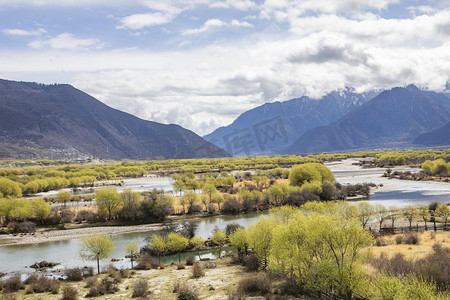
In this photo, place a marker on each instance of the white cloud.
(341, 44)
(423, 31)
(237, 4)
(289, 10)
(21, 32)
(66, 41)
(236, 23)
(216, 23)
(81, 3)
(139, 21)
(422, 9)
(210, 24)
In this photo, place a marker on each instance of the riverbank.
(45, 235)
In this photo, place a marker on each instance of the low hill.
(438, 137)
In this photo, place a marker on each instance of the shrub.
(32, 278)
(114, 273)
(55, 286)
(380, 242)
(181, 266)
(190, 260)
(258, 284)
(88, 271)
(96, 290)
(211, 208)
(433, 205)
(110, 269)
(197, 270)
(232, 227)
(41, 284)
(12, 284)
(22, 227)
(74, 274)
(232, 206)
(401, 287)
(69, 293)
(195, 209)
(161, 211)
(91, 281)
(67, 215)
(54, 218)
(289, 287)
(248, 205)
(412, 239)
(399, 239)
(210, 265)
(27, 227)
(436, 266)
(93, 217)
(251, 263)
(185, 292)
(85, 215)
(299, 198)
(397, 265)
(146, 262)
(140, 288)
(108, 285)
(236, 259)
(124, 273)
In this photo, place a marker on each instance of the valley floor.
(223, 277)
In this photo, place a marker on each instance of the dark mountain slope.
(438, 137)
(393, 118)
(60, 121)
(272, 127)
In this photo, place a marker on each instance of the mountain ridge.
(394, 117)
(287, 120)
(438, 137)
(62, 121)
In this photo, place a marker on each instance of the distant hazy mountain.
(392, 119)
(59, 121)
(438, 137)
(273, 127)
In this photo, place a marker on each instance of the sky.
(201, 63)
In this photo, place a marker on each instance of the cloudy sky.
(200, 63)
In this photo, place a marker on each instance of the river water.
(19, 257)
(393, 193)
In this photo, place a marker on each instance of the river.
(19, 257)
(394, 192)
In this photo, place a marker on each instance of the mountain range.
(401, 117)
(60, 121)
(272, 127)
